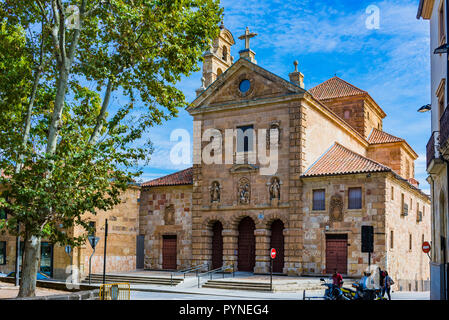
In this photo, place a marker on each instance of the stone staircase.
(237, 285)
(142, 280)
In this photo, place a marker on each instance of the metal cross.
(247, 36)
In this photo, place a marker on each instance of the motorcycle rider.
(337, 279)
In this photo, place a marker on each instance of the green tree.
(65, 149)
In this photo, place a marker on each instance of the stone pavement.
(9, 290)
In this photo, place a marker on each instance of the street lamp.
(444, 48)
(425, 108)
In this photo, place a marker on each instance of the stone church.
(336, 171)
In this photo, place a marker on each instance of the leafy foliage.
(79, 150)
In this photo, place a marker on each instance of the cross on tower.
(247, 36)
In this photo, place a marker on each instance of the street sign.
(273, 253)
(68, 249)
(93, 241)
(426, 247)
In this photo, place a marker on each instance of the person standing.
(381, 281)
(388, 282)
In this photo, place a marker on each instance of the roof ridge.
(341, 160)
(384, 133)
(360, 155)
(147, 183)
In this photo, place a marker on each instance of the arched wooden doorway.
(217, 245)
(277, 242)
(246, 245)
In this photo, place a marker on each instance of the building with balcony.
(436, 11)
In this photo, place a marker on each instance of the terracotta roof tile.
(335, 88)
(178, 178)
(340, 160)
(378, 136)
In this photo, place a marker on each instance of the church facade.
(336, 171)
(275, 166)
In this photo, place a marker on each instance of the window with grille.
(355, 198)
(319, 199)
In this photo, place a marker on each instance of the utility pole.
(105, 242)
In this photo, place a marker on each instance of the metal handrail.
(188, 270)
(212, 272)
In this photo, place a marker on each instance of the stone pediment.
(226, 89)
(243, 168)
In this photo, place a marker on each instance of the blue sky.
(392, 63)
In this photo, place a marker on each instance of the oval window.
(244, 85)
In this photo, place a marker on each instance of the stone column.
(293, 240)
(262, 250)
(230, 246)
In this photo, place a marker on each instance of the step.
(98, 278)
(237, 285)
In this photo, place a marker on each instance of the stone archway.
(217, 245)
(277, 242)
(246, 259)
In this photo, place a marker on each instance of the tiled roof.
(340, 160)
(378, 136)
(335, 88)
(175, 179)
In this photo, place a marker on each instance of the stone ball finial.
(295, 63)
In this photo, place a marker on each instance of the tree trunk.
(30, 266)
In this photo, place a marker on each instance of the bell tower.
(218, 58)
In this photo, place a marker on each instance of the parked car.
(40, 275)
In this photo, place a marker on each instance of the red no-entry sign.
(273, 253)
(426, 247)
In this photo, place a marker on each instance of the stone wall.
(321, 133)
(409, 268)
(156, 220)
(123, 227)
(317, 224)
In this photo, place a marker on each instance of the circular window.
(244, 85)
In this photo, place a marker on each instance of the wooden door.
(277, 242)
(140, 251)
(246, 245)
(217, 245)
(169, 252)
(337, 253)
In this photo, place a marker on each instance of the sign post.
(273, 256)
(93, 243)
(105, 242)
(426, 248)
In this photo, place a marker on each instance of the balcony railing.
(444, 128)
(432, 147)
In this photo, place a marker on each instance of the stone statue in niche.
(244, 191)
(336, 208)
(169, 214)
(275, 189)
(215, 192)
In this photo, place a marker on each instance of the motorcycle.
(332, 292)
(362, 293)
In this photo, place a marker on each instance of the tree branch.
(102, 116)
